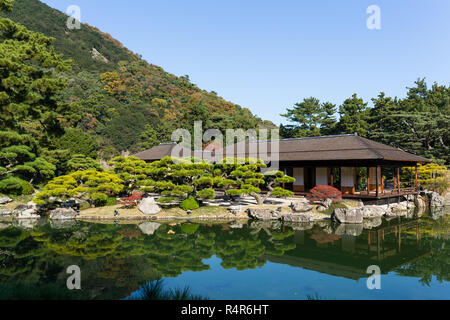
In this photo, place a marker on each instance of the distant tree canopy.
(418, 123)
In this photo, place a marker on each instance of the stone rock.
(5, 212)
(353, 204)
(5, 200)
(396, 214)
(63, 214)
(263, 214)
(372, 223)
(420, 203)
(352, 216)
(236, 210)
(436, 201)
(26, 211)
(301, 206)
(402, 206)
(447, 199)
(149, 206)
(149, 228)
(298, 218)
(349, 229)
(325, 204)
(371, 212)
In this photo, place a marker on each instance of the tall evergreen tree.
(310, 118)
(354, 117)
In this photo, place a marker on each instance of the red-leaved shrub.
(321, 193)
(133, 200)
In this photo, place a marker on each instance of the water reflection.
(116, 259)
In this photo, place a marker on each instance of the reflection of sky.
(278, 281)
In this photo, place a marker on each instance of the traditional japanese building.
(341, 161)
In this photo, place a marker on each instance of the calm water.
(253, 260)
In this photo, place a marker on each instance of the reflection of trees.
(117, 259)
(436, 239)
(243, 249)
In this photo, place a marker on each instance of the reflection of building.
(389, 246)
(331, 160)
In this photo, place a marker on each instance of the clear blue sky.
(268, 55)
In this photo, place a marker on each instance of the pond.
(228, 260)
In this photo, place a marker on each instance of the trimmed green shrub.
(167, 199)
(11, 186)
(27, 188)
(16, 186)
(206, 194)
(189, 204)
(112, 201)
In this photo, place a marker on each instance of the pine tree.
(354, 117)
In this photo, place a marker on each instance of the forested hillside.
(122, 101)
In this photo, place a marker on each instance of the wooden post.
(417, 178)
(332, 177)
(378, 190)
(398, 180)
(368, 181)
(382, 180)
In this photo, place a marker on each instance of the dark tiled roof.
(344, 147)
(156, 153)
(331, 148)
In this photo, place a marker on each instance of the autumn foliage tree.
(321, 193)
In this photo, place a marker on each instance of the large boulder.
(436, 201)
(356, 204)
(351, 216)
(301, 206)
(298, 218)
(372, 212)
(63, 214)
(420, 203)
(236, 210)
(5, 212)
(26, 211)
(324, 204)
(149, 228)
(5, 200)
(263, 214)
(149, 206)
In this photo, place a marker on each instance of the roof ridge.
(374, 150)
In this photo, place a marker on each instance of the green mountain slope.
(123, 101)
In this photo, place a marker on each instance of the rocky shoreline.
(295, 211)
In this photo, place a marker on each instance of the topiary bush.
(16, 186)
(11, 186)
(167, 200)
(27, 188)
(189, 204)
